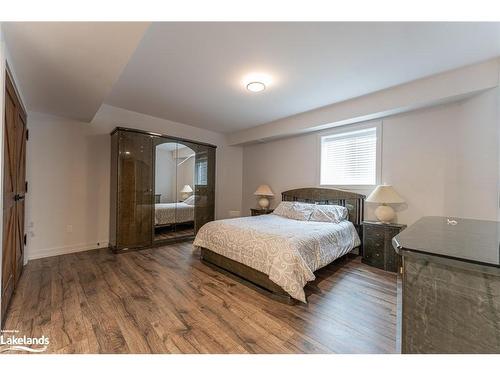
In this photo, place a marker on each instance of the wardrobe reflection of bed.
(177, 215)
(261, 237)
(173, 213)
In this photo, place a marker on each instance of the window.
(350, 158)
(201, 171)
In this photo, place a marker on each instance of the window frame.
(197, 168)
(378, 153)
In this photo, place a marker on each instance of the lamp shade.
(384, 194)
(186, 189)
(264, 191)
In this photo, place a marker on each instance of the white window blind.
(201, 172)
(349, 158)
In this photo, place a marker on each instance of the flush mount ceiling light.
(256, 82)
(256, 86)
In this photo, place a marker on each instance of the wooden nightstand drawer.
(372, 244)
(377, 245)
(374, 232)
(373, 252)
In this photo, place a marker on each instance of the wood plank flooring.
(164, 300)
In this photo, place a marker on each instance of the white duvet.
(286, 250)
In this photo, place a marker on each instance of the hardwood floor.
(164, 300)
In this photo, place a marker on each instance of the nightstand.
(377, 247)
(260, 211)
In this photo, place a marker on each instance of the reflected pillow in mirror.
(189, 200)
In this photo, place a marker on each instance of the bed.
(173, 213)
(278, 254)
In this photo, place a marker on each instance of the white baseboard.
(50, 252)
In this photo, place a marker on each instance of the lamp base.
(184, 196)
(263, 203)
(385, 214)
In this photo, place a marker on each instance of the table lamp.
(384, 194)
(264, 191)
(186, 190)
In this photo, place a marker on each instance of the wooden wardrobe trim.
(161, 135)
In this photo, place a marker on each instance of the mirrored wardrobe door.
(203, 195)
(204, 185)
(165, 189)
(185, 206)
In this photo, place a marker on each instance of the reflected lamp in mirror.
(186, 190)
(384, 195)
(264, 191)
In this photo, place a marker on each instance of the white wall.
(68, 167)
(67, 205)
(443, 160)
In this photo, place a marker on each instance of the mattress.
(286, 250)
(172, 213)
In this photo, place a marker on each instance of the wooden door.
(13, 193)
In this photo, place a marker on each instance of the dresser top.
(467, 240)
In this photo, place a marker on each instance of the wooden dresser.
(449, 286)
(377, 246)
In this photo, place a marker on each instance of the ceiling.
(192, 72)
(69, 68)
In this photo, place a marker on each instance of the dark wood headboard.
(352, 201)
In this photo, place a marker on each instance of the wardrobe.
(162, 188)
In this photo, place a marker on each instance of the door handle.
(18, 197)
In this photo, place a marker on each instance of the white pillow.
(189, 200)
(329, 213)
(294, 210)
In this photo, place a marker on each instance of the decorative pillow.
(294, 210)
(329, 213)
(189, 200)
